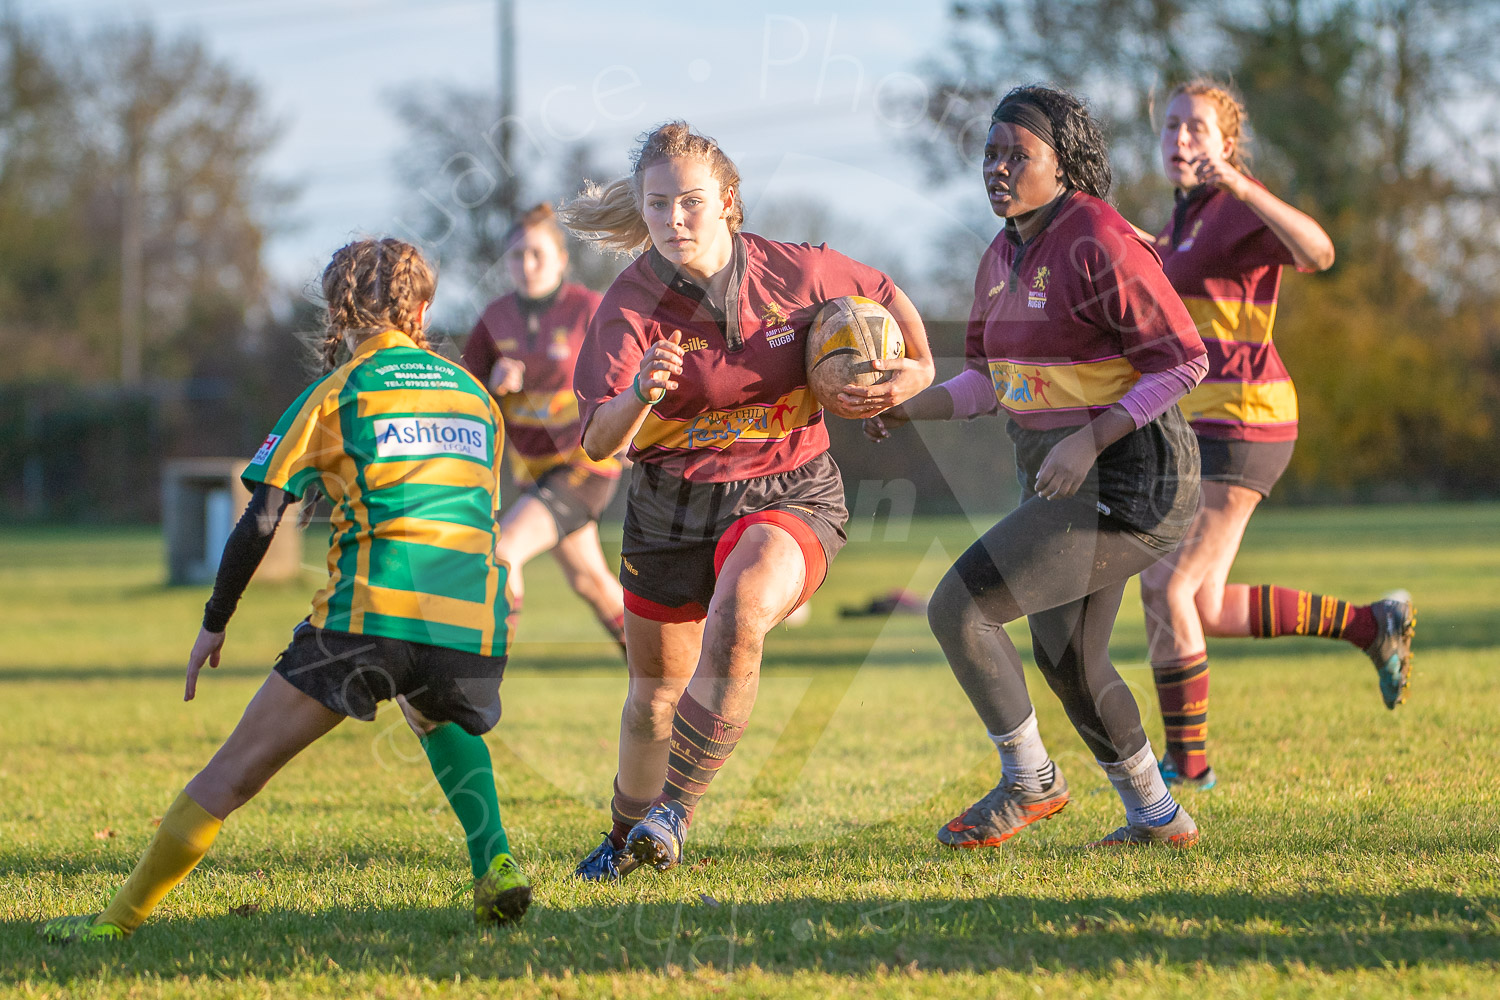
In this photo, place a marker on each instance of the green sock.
(461, 764)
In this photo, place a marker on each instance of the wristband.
(635, 384)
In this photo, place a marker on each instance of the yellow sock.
(186, 833)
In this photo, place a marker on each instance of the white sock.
(1023, 758)
(1147, 801)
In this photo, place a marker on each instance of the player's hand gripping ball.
(846, 335)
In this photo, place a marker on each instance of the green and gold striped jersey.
(407, 446)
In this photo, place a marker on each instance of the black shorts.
(1255, 465)
(573, 495)
(678, 533)
(350, 674)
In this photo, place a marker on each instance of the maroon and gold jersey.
(742, 408)
(1064, 324)
(541, 421)
(1226, 264)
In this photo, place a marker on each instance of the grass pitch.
(1348, 851)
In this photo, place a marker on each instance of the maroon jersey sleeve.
(1132, 298)
(610, 356)
(480, 353)
(840, 275)
(975, 356)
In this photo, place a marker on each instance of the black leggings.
(1063, 565)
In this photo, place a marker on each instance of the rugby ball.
(846, 335)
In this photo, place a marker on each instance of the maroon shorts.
(573, 495)
(679, 533)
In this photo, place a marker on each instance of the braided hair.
(372, 286)
(1077, 138)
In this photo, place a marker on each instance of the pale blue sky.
(804, 95)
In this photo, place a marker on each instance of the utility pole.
(507, 192)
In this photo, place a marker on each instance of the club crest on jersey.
(267, 446)
(1187, 244)
(508, 344)
(1036, 297)
(777, 325)
(558, 349)
(413, 437)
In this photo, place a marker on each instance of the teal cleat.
(1175, 778)
(1396, 623)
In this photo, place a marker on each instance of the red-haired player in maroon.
(524, 348)
(1224, 250)
(696, 359)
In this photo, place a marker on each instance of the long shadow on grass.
(1330, 931)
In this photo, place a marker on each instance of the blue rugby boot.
(657, 839)
(1395, 624)
(1175, 779)
(606, 863)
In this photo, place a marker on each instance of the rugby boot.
(1004, 811)
(606, 863)
(1179, 831)
(657, 839)
(66, 930)
(501, 894)
(1175, 778)
(1395, 624)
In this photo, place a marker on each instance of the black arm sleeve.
(243, 552)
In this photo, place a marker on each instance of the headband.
(1027, 115)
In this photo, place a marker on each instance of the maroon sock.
(701, 742)
(1277, 611)
(1182, 689)
(626, 813)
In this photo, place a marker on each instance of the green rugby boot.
(66, 930)
(502, 894)
(1395, 624)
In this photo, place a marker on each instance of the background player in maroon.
(1077, 337)
(1223, 252)
(696, 360)
(524, 348)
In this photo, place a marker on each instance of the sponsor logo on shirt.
(399, 437)
(1187, 244)
(267, 446)
(1015, 386)
(694, 344)
(776, 325)
(1036, 297)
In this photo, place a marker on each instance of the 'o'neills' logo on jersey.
(694, 344)
(1036, 297)
(777, 325)
(406, 437)
(996, 290)
(1187, 244)
(267, 446)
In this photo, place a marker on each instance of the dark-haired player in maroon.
(524, 348)
(696, 358)
(1224, 252)
(1076, 336)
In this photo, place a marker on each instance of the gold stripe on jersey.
(442, 534)
(1226, 319)
(431, 608)
(376, 402)
(1026, 388)
(718, 429)
(1242, 402)
(527, 468)
(524, 410)
(430, 470)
